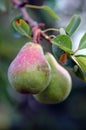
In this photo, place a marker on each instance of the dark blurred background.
(18, 111)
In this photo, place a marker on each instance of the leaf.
(45, 8)
(50, 12)
(64, 42)
(22, 27)
(82, 44)
(82, 62)
(57, 51)
(73, 25)
(80, 67)
(60, 55)
(69, 64)
(81, 52)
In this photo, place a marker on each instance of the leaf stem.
(34, 7)
(51, 29)
(52, 36)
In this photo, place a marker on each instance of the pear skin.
(29, 72)
(60, 85)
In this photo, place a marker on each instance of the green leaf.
(73, 24)
(69, 64)
(80, 67)
(81, 52)
(22, 27)
(46, 9)
(82, 62)
(64, 42)
(50, 12)
(57, 51)
(82, 44)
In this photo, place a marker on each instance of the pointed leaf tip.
(22, 27)
(50, 12)
(82, 44)
(73, 24)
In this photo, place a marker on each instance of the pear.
(29, 72)
(60, 85)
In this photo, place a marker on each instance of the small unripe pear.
(29, 72)
(60, 85)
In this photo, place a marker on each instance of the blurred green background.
(18, 111)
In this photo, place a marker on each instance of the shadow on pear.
(60, 85)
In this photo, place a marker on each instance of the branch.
(36, 28)
(25, 15)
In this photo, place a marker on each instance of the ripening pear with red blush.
(29, 72)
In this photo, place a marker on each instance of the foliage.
(19, 111)
(64, 42)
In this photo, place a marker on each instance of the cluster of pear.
(39, 74)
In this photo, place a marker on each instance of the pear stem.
(36, 28)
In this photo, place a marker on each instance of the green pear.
(29, 72)
(60, 85)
